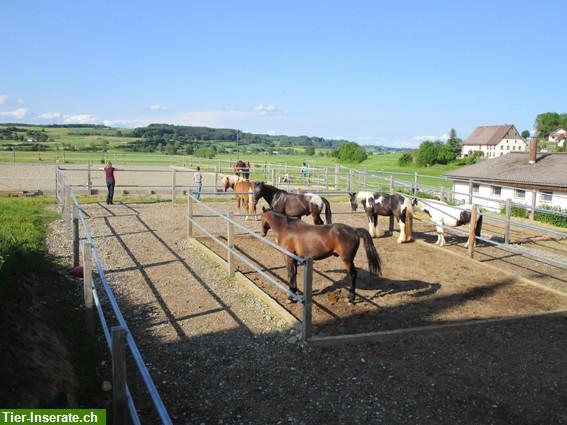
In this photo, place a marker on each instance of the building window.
(507, 148)
(496, 190)
(546, 196)
(513, 148)
(520, 194)
(475, 188)
(501, 147)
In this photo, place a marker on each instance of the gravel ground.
(219, 357)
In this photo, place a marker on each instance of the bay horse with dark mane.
(319, 242)
(375, 204)
(244, 193)
(293, 205)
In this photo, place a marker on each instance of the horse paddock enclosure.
(422, 287)
(220, 356)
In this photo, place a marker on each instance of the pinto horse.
(240, 185)
(319, 242)
(445, 215)
(375, 204)
(293, 205)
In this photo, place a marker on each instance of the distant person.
(110, 181)
(198, 180)
(304, 172)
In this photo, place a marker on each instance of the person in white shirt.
(198, 180)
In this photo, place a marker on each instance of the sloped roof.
(488, 134)
(550, 169)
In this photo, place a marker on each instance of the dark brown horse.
(319, 242)
(293, 205)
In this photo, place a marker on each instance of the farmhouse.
(536, 179)
(557, 136)
(494, 141)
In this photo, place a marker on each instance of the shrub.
(555, 220)
(204, 152)
(516, 212)
(350, 152)
(405, 159)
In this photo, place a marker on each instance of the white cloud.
(113, 123)
(79, 119)
(49, 116)
(271, 132)
(444, 137)
(266, 109)
(21, 102)
(157, 107)
(3, 98)
(17, 113)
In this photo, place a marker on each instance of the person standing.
(198, 180)
(110, 182)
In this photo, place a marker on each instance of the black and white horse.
(375, 204)
(293, 205)
(446, 215)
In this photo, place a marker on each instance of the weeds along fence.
(118, 338)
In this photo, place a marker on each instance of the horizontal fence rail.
(66, 196)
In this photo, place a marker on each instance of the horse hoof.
(291, 300)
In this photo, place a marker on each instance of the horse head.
(352, 199)
(265, 224)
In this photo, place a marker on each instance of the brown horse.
(319, 242)
(239, 185)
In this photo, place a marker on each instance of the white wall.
(493, 151)
(559, 199)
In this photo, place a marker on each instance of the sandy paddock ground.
(220, 357)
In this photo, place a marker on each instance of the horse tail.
(328, 214)
(374, 262)
(408, 212)
(478, 227)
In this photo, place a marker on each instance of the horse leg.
(351, 270)
(371, 228)
(402, 226)
(292, 277)
(376, 219)
(439, 230)
(316, 214)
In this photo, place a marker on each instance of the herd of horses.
(324, 239)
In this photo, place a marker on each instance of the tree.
(310, 151)
(549, 121)
(405, 159)
(350, 152)
(526, 134)
(454, 142)
(427, 153)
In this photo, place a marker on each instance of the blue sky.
(390, 73)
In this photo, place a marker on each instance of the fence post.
(230, 241)
(442, 194)
(89, 180)
(415, 183)
(507, 225)
(265, 171)
(470, 191)
(273, 176)
(88, 284)
(75, 233)
(173, 186)
(67, 201)
(119, 402)
(534, 201)
(190, 216)
(365, 177)
(472, 229)
(337, 177)
(349, 181)
(216, 181)
(307, 294)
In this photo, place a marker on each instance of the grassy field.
(23, 228)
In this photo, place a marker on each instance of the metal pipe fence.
(66, 197)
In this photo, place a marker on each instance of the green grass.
(23, 228)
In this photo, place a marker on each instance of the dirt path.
(221, 358)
